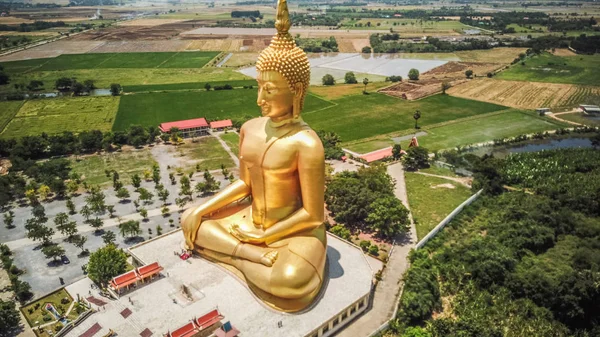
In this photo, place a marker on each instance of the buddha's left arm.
(311, 172)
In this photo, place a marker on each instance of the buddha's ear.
(299, 91)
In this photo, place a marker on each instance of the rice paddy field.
(62, 114)
(579, 69)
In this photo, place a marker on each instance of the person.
(268, 225)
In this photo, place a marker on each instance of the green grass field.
(115, 60)
(157, 77)
(187, 86)
(63, 114)
(363, 116)
(482, 128)
(431, 199)
(579, 69)
(232, 140)
(155, 108)
(206, 152)
(128, 163)
(579, 117)
(8, 110)
(405, 25)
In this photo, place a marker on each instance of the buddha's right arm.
(190, 222)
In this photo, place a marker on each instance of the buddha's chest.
(261, 152)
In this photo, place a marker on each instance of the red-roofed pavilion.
(221, 125)
(188, 127)
(377, 155)
(124, 280)
(149, 270)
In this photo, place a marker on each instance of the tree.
(469, 73)
(416, 157)
(341, 231)
(111, 210)
(115, 89)
(79, 241)
(9, 218)
(72, 186)
(349, 78)
(445, 86)
(71, 207)
(109, 237)
(4, 78)
(136, 181)
(43, 191)
(366, 50)
(63, 84)
(78, 88)
(35, 85)
(86, 212)
(416, 116)
(180, 202)
(156, 174)
(9, 317)
(106, 263)
(388, 216)
(209, 185)
(396, 151)
(64, 226)
(328, 80)
(31, 194)
(40, 214)
(96, 223)
(158, 230)
(365, 83)
(413, 74)
(145, 195)
(130, 228)
(122, 194)
(163, 195)
(53, 251)
(144, 213)
(207, 86)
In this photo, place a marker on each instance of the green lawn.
(128, 163)
(579, 117)
(195, 59)
(429, 202)
(187, 86)
(8, 110)
(232, 140)
(508, 124)
(63, 114)
(579, 69)
(37, 315)
(155, 108)
(362, 116)
(206, 152)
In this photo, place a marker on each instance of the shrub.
(413, 74)
(364, 244)
(374, 250)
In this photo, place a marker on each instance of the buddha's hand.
(255, 236)
(190, 225)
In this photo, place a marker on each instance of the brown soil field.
(140, 46)
(53, 49)
(214, 44)
(412, 90)
(495, 55)
(454, 69)
(342, 90)
(523, 95)
(241, 60)
(563, 52)
(149, 22)
(346, 45)
(160, 32)
(11, 20)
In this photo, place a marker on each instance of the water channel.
(533, 146)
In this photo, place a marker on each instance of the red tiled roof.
(377, 155)
(149, 270)
(185, 331)
(182, 125)
(124, 280)
(209, 319)
(221, 124)
(91, 331)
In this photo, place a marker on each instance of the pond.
(374, 66)
(533, 146)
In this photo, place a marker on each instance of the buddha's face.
(275, 98)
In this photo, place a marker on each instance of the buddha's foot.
(269, 258)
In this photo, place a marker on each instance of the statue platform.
(161, 305)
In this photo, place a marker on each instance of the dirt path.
(386, 295)
(226, 147)
(463, 181)
(555, 116)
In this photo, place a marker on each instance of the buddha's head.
(283, 72)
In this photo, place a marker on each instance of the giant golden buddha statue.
(268, 224)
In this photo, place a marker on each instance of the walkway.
(463, 181)
(388, 289)
(555, 116)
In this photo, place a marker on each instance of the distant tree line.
(317, 45)
(246, 14)
(30, 27)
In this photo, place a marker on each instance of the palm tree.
(416, 116)
(365, 82)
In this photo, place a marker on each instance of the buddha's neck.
(281, 121)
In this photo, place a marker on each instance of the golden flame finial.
(282, 23)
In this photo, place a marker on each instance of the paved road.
(387, 291)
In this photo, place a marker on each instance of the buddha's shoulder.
(254, 122)
(306, 137)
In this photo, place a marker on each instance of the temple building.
(187, 128)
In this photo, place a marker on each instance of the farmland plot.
(524, 95)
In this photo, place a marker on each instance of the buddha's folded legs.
(211, 235)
